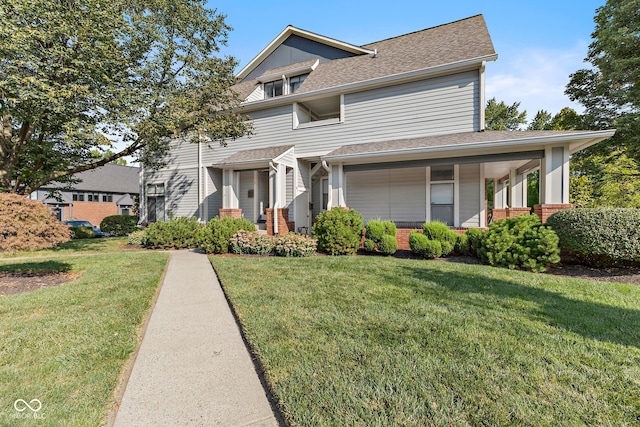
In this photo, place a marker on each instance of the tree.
(76, 76)
(500, 116)
(96, 154)
(610, 90)
(541, 121)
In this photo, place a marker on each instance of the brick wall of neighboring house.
(94, 212)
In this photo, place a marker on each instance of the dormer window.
(295, 82)
(273, 89)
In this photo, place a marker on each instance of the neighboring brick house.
(108, 190)
(394, 129)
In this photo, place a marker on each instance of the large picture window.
(155, 202)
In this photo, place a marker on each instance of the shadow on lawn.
(35, 268)
(592, 320)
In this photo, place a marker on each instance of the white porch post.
(518, 184)
(499, 195)
(230, 189)
(341, 187)
(329, 170)
(554, 176)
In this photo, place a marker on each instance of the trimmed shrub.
(520, 242)
(136, 237)
(602, 236)
(369, 245)
(251, 243)
(219, 231)
(422, 246)
(119, 225)
(474, 237)
(178, 233)
(338, 231)
(388, 245)
(381, 237)
(295, 245)
(436, 230)
(84, 232)
(28, 225)
(462, 244)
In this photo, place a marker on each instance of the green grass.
(77, 247)
(67, 345)
(382, 341)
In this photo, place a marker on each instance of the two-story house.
(393, 129)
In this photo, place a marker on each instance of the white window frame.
(456, 194)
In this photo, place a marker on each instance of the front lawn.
(65, 346)
(385, 341)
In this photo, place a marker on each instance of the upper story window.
(283, 86)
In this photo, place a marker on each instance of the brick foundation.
(94, 212)
(284, 225)
(544, 211)
(498, 213)
(511, 212)
(402, 237)
(229, 212)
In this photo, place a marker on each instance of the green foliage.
(294, 245)
(251, 243)
(462, 244)
(474, 236)
(439, 231)
(219, 231)
(602, 236)
(381, 237)
(78, 76)
(338, 231)
(119, 225)
(421, 245)
(500, 116)
(388, 245)
(520, 242)
(84, 232)
(136, 237)
(28, 224)
(177, 233)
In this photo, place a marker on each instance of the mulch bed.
(15, 283)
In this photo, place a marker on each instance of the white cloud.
(536, 78)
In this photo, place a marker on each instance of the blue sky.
(539, 43)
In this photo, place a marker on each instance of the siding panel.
(469, 181)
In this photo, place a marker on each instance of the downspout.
(329, 185)
(199, 177)
(272, 166)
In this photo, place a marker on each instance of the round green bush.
(436, 230)
(422, 246)
(388, 245)
(462, 244)
(177, 233)
(390, 228)
(338, 231)
(374, 230)
(83, 232)
(217, 234)
(119, 225)
(602, 236)
(520, 242)
(474, 237)
(369, 245)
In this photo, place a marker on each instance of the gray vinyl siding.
(469, 181)
(214, 189)
(244, 202)
(289, 196)
(448, 104)
(391, 194)
(181, 191)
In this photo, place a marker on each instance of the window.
(93, 197)
(125, 211)
(107, 197)
(295, 82)
(273, 89)
(442, 194)
(318, 112)
(77, 197)
(155, 202)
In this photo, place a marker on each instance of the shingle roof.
(445, 44)
(108, 178)
(456, 139)
(255, 155)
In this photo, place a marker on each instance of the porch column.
(554, 182)
(230, 186)
(499, 210)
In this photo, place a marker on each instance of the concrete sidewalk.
(193, 368)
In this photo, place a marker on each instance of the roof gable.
(296, 45)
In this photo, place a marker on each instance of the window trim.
(331, 121)
(456, 194)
